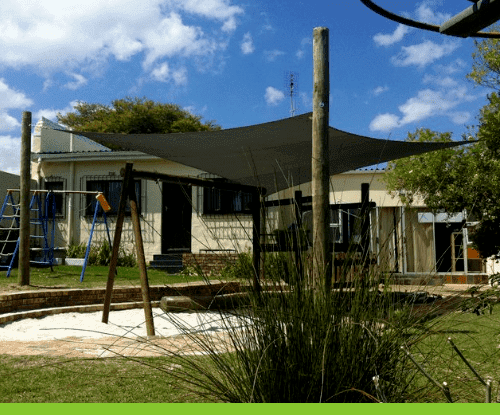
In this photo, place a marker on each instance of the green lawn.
(478, 339)
(33, 379)
(116, 379)
(65, 276)
(50, 379)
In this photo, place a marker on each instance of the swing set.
(43, 220)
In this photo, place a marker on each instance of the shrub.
(101, 254)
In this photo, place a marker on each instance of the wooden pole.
(262, 239)
(256, 247)
(365, 229)
(141, 260)
(24, 200)
(299, 242)
(320, 162)
(116, 242)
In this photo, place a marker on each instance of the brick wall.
(210, 263)
(34, 300)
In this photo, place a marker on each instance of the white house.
(201, 220)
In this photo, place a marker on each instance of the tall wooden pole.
(256, 242)
(320, 162)
(141, 260)
(24, 200)
(116, 242)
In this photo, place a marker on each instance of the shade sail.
(274, 155)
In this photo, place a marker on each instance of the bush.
(101, 255)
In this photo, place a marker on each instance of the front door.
(176, 217)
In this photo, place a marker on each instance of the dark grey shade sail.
(273, 155)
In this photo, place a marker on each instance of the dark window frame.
(226, 202)
(56, 183)
(111, 188)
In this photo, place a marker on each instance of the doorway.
(176, 218)
(449, 247)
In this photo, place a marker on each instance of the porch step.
(172, 263)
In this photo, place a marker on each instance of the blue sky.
(227, 60)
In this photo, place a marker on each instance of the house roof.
(274, 155)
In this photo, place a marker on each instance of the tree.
(133, 116)
(467, 177)
(486, 63)
(464, 178)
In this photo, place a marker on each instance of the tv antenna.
(292, 84)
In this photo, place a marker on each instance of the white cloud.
(457, 65)
(426, 15)
(307, 101)
(213, 9)
(380, 90)
(427, 103)
(381, 39)
(161, 73)
(51, 114)
(7, 122)
(180, 76)
(193, 110)
(445, 82)
(461, 117)
(79, 81)
(273, 96)
(10, 149)
(9, 98)
(424, 53)
(271, 55)
(51, 36)
(303, 44)
(247, 46)
(384, 122)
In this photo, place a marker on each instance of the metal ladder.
(39, 220)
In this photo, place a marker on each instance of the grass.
(32, 379)
(37, 379)
(296, 336)
(478, 339)
(65, 276)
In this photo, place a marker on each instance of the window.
(56, 201)
(336, 226)
(112, 191)
(336, 229)
(217, 201)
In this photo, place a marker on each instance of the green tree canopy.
(456, 179)
(134, 116)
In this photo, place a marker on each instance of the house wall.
(56, 162)
(401, 242)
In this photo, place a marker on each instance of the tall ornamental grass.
(293, 343)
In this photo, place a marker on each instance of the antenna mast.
(292, 84)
